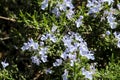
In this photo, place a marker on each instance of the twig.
(8, 19)
(4, 38)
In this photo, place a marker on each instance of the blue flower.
(94, 6)
(109, 1)
(118, 44)
(30, 45)
(53, 38)
(41, 43)
(35, 60)
(33, 44)
(110, 18)
(48, 71)
(72, 58)
(88, 74)
(54, 28)
(68, 3)
(56, 12)
(62, 6)
(44, 37)
(118, 5)
(90, 56)
(43, 51)
(67, 40)
(25, 47)
(58, 62)
(44, 58)
(64, 76)
(108, 32)
(72, 46)
(64, 55)
(4, 64)
(70, 14)
(44, 4)
(117, 35)
(113, 25)
(78, 22)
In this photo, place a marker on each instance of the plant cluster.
(64, 40)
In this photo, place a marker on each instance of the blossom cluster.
(73, 42)
(88, 74)
(111, 18)
(117, 36)
(4, 64)
(63, 7)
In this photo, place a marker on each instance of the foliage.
(55, 40)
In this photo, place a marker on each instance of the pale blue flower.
(108, 32)
(72, 46)
(76, 44)
(94, 9)
(30, 45)
(94, 6)
(35, 60)
(117, 35)
(118, 44)
(49, 36)
(44, 58)
(110, 18)
(4, 64)
(72, 62)
(85, 52)
(90, 56)
(58, 62)
(62, 6)
(64, 76)
(41, 43)
(78, 22)
(92, 67)
(90, 3)
(53, 38)
(112, 11)
(70, 14)
(67, 41)
(118, 5)
(43, 51)
(33, 44)
(113, 25)
(54, 28)
(56, 12)
(25, 47)
(68, 3)
(88, 74)
(111, 21)
(48, 71)
(109, 1)
(64, 55)
(72, 58)
(44, 37)
(44, 4)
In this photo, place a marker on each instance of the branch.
(8, 19)
(4, 38)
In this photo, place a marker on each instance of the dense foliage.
(59, 39)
